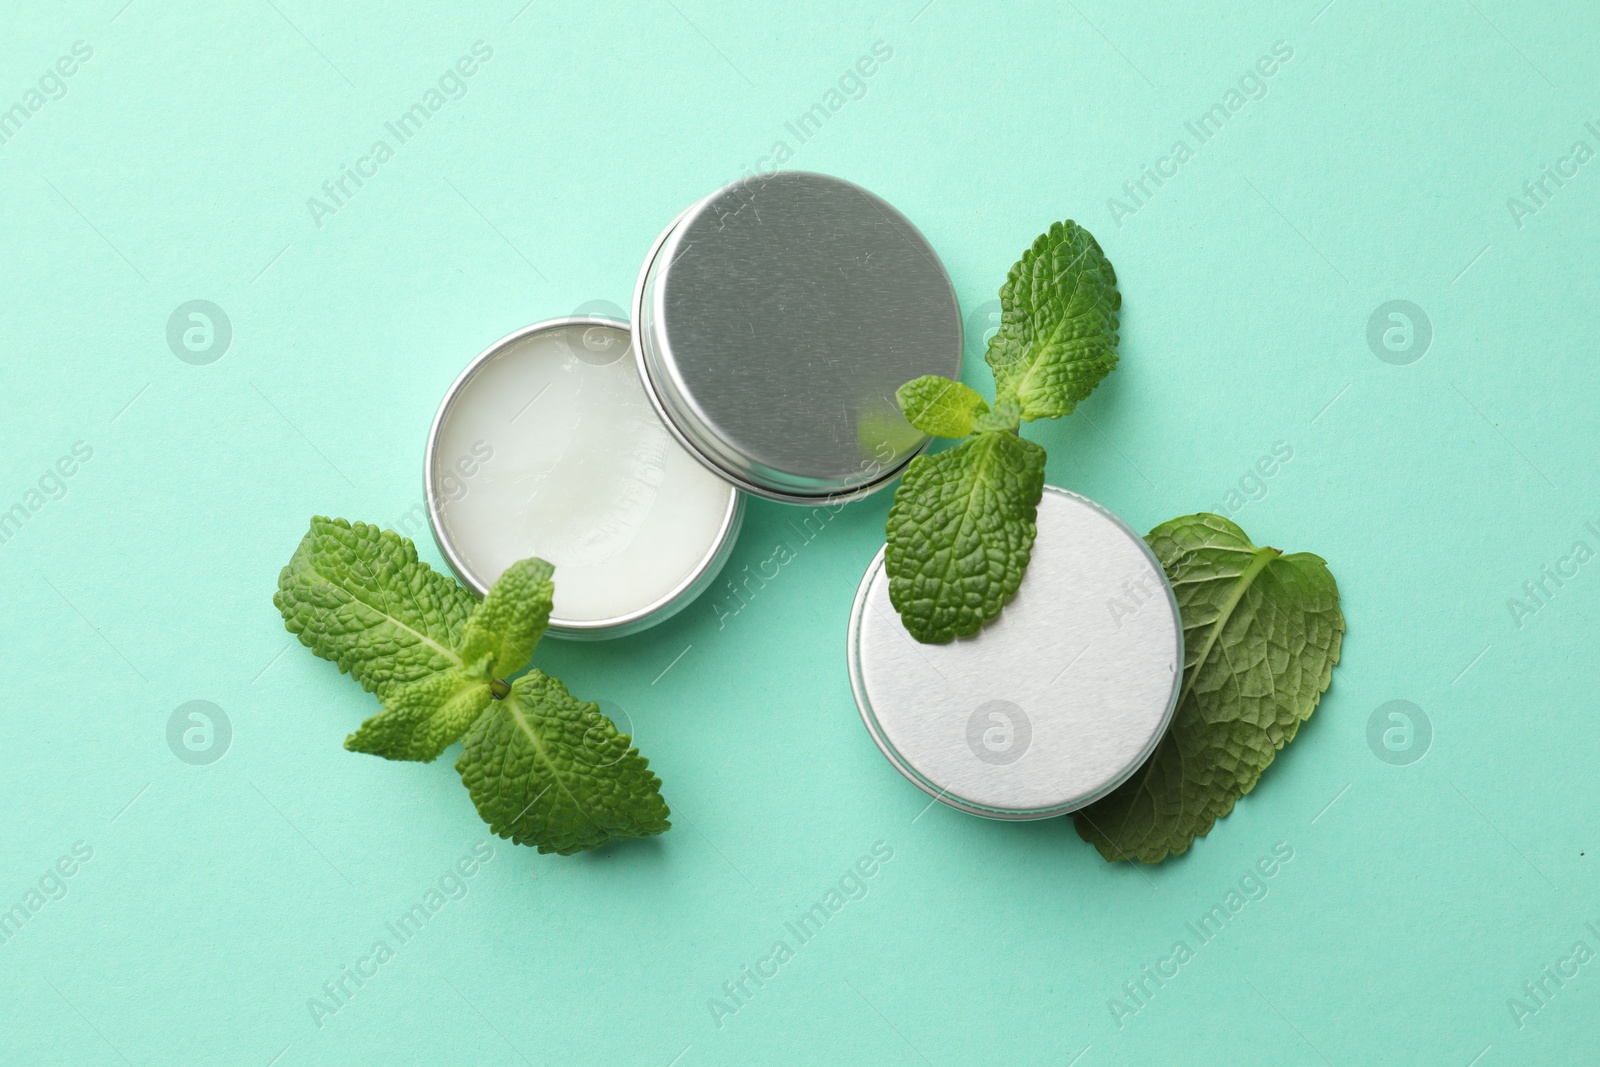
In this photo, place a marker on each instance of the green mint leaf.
(1261, 634)
(1007, 415)
(359, 596)
(1058, 323)
(940, 407)
(960, 532)
(511, 618)
(421, 719)
(549, 770)
(543, 768)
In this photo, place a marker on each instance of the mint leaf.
(940, 407)
(1058, 323)
(1262, 633)
(960, 532)
(962, 525)
(423, 718)
(549, 770)
(1007, 415)
(511, 618)
(359, 596)
(543, 768)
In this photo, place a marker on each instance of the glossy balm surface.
(551, 449)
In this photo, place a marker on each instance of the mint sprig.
(543, 768)
(961, 529)
(1262, 632)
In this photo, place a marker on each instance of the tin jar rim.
(659, 610)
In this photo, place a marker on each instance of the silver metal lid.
(773, 322)
(1051, 706)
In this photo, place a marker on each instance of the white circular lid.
(1051, 706)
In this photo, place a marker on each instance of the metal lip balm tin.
(665, 606)
(774, 321)
(1051, 706)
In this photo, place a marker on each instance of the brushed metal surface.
(1051, 706)
(774, 321)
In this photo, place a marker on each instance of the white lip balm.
(547, 446)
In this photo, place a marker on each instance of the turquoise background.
(219, 898)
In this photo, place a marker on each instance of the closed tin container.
(1051, 706)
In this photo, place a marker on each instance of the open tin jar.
(546, 446)
(774, 321)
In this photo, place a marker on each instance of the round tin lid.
(774, 321)
(1051, 706)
